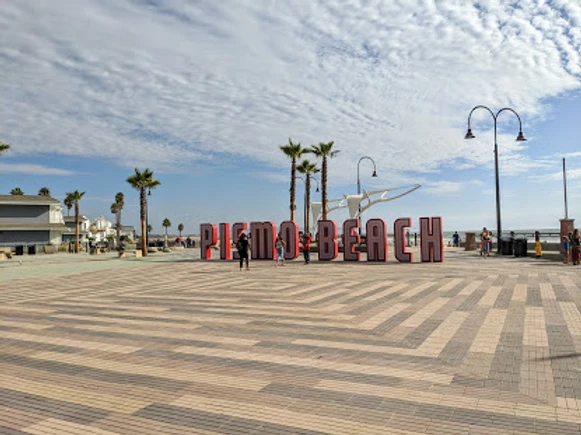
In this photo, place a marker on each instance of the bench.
(136, 252)
(5, 253)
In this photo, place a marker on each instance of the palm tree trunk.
(292, 189)
(308, 203)
(77, 245)
(143, 202)
(118, 228)
(324, 190)
(165, 242)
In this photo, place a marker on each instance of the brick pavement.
(186, 347)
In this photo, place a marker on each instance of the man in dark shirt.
(456, 239)
(242, 248)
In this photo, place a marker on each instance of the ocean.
(548, 235)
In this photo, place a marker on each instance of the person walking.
(456, 239)
(307, 247)
(242, 246)
(484, 242)
(279, 244)
(575, 247)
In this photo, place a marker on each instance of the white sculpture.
(355, 202)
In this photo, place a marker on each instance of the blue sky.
(203, 92)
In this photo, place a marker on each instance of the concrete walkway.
(173, 345)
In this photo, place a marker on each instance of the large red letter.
(376, 240)
(262, 237)
(237, 229)
(432, 239)
(225, 241)
(401, 254)
(289, 231)
(351, 239)
(208, 238)
(327, 240)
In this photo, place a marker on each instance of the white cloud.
(449, 187)
(153, 83)
(572, 174)
(32, 169)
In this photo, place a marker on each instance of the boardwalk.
(470, 346)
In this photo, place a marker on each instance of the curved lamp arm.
(520, 137)
(469, 134)
(374, 171)
(317, 181)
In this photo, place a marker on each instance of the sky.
(204, 92)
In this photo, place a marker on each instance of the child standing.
(575, 246)
(565, 246)
(307, 247)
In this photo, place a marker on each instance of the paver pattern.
(469, 346)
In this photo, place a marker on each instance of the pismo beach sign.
(263, 236)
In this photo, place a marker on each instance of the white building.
(84, 224)
(99, 230)
(30, 220)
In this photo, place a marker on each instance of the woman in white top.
(279, 244)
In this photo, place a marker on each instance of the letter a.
(376, 240)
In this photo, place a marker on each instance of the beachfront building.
(30, 220)
(98, 230)
(69, 234)
(101, 228)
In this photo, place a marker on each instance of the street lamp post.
(147, 222)
(306, 207)
(519, 138)
(359, 180)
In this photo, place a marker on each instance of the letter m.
(262, 238)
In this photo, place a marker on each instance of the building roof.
(17, 226)
(72, 218)
(28, 199)
(68, 231)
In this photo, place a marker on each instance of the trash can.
(19, 249)
(31, 249)
(506, 246)
(520, 247)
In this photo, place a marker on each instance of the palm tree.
(4, 147)
(16, 191)
(166, 223)
(180, 229)
(142, 181)
(67, 202)
(324, 151)
(116, 208)
(44, 191)
(74, 198)
(308, 169)
(149, 229)
(294, 151)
